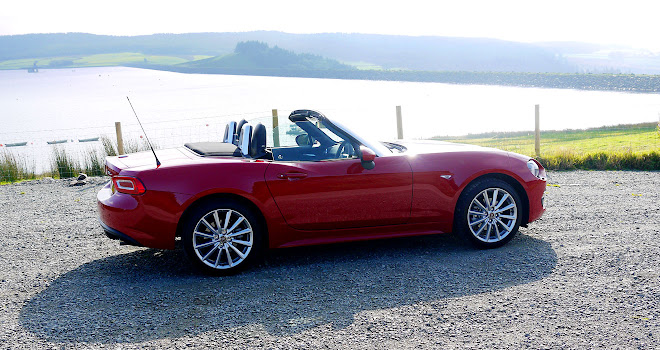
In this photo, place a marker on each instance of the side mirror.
(367, 156)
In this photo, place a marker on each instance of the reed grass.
(137, 145)
(64, 164)
(94, 162)
(108, 146)
(13, 169)
(130, 146)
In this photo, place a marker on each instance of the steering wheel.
(345, 150)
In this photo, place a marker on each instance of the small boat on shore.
(91, 139)
(56, 142)
(16, 144)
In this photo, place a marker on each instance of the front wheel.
(222, 237)
(488, 213)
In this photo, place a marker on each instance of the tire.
(488, 213)
(225, 251)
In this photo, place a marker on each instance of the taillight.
(128, 185)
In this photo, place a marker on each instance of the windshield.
(318, 138)
(376, 146)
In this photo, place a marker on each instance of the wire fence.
(67, 152)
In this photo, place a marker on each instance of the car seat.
(258, 142)
(244, 139)
(230, 133)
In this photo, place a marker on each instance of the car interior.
(305, 141)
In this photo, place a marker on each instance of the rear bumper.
(148, 220)
(114, 234)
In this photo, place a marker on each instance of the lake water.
(72, 104)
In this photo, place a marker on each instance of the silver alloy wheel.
(492, 215)
(222, 238)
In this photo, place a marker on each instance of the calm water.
(175, 108)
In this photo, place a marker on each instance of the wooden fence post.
(537, 132)
(120, 139)
(399, 123)
(276, 129)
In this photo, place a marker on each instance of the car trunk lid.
(114, 165)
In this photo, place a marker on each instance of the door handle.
(292, 176)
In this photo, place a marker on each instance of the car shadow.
(150, 294)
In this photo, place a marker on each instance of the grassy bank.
(13, 169)
(99, 60)
(620, 147)
(641, 83)
(90, 161)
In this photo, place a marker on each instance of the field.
(635, 146)
(99, 60)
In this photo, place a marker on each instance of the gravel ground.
(586, 275)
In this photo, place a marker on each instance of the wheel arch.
(222, 196)
(522, 194)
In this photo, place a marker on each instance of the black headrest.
(258, 141)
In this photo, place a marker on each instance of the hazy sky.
(632, 23)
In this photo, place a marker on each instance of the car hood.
(431, 146)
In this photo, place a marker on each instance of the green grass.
(66, 165)
(13, 169)
(94, 162)
(633, 146)
(63, 164)
(99, 60)
(363, 65)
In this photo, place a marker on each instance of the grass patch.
(130, 146)
(631, 147)
(63, 164)
(94, 162)
(13, 169)
(108, 146)
(137, 145)
(90, 161)
(602, 161)
(99, 60)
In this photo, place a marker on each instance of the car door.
(341, 193)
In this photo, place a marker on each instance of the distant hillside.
(384, 51)
(258, 55)
(592, 58)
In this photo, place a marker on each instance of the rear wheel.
(488, 213)
(222, 237)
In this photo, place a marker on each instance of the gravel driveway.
(586, 275)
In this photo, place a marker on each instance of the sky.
(632, 23)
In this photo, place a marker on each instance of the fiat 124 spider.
(229, 201)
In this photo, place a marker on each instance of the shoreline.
(632, 83)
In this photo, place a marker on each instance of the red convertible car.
(321, 183)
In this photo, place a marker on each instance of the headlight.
(533, 167)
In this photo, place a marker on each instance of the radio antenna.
(145, 133)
